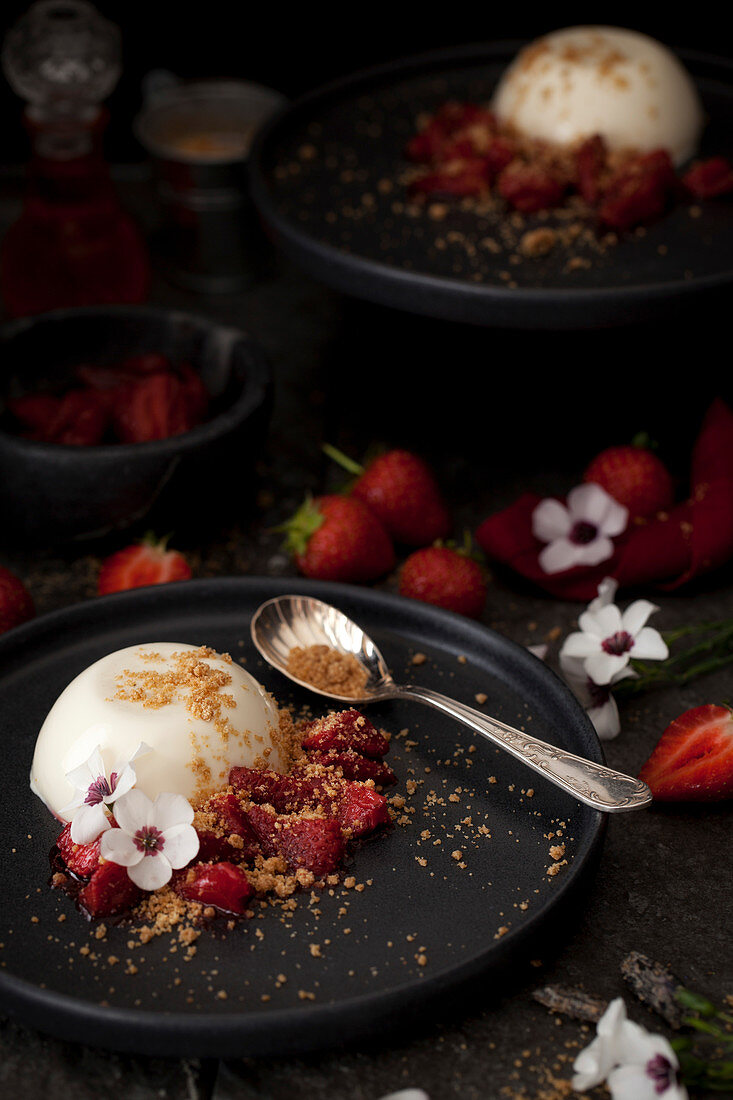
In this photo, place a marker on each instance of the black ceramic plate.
(462, 916)
(319, 175)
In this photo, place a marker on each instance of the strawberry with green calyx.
(146, 562)
(634, 476)
(447, 577)
(401, 490)
(693, 759)
(337, 538)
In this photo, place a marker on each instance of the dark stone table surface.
(496, 412)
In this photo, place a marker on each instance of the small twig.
(571, 1002)
(655, 985)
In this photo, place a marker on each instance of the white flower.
(634, 1064)
(608, 639)
(538, 651)
(597, 699)
(581, 532)
(153, 838)
(96, 791)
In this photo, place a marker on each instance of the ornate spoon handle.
(597, 786)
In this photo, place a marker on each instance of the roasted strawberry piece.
(213, 848)
(194, 392)
(529, 188)
(81, 859)
(639, 192)
(499, 155)
(709, 179)
(234, 822)
(110, 890)
(80, 420)
(223, 885)
(347, 729)
(590, 163)
(355, 766)
(362, 809)
(35, 411)
(153, 407)
(286, 793)
(16, 602)
(313, 843)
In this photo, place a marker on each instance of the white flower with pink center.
(96, 791)
(153, 839)
(634, 1064)
(579, 532)
(608, 639)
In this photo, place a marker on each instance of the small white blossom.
(579, 532)
(153, 839)
(96, 791)
(596, 699)
(635, 1064)
(608, 639)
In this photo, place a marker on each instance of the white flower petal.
(636, 615)
(607, 590)
(151, 872)
(593, 553)
(606, 720)
(601, 623)
(550, 520)
(580, 644)
(649, 645)
(181, 845)
(118, 847)
(133, 810)
(615, 520)
(89, 822)
(602, 667)
(126, 780)
(631, 1083)
(538, 651)
(171, 809)
(558, 556)
(87, 772)
(593, 1064)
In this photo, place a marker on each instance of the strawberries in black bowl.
(112, 414)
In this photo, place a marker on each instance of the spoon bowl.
(285, 622)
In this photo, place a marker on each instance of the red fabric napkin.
(667, 551)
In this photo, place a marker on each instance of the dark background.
(297, 47)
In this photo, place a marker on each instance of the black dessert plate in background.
(419, 901)
(318, 175)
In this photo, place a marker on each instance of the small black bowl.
(51, 493)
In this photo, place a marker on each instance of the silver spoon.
(284, 622)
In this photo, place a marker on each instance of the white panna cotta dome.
(621, 84)
(197, 712)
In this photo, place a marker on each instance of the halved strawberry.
(221, 884)
(110, 890)
(145, 562)
(693, 759)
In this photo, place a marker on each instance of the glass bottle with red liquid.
(73, 244)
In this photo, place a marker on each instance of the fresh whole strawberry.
(635, 477)
(693, 759)
(401, 490)
(143, 563)
(445, 577)
(337, 538)
(16, 605)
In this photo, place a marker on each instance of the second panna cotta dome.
(196, 712)
(620, 84)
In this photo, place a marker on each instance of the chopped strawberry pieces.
(639, 192)
(590, 163)
(355, 766)
(362, 809)
(286, 793)
(234, 821)
(313, 843)
(529, 188)
(81, 859)
(709, 179)
(223, 885)
(348, 729)
(109, 891)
